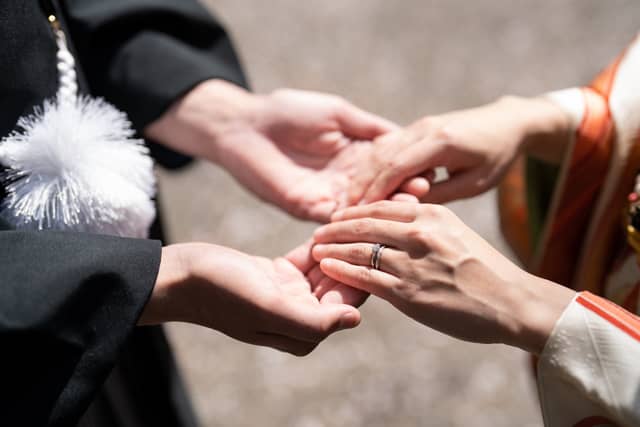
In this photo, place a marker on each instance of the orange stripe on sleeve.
(612, 313)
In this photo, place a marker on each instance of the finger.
(321, 212)
(391, 260)
(360, 125)
(372, 163)
(329, 291)
(324, 285)
(389, 233)
(301, 257)
(282, 343)
(404, 198)
(343, 294)
(392, 211)
(316, 323)
(366, 279)
(418, 186)
(315, 277)
(408, 163)
(329, 143)
(459, 186)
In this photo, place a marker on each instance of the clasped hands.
(313, 155)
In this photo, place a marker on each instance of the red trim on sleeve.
(612, 313)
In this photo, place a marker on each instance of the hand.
(325, 289)
(252, 299)
(477, 147)
(292, 148)
(439, 272)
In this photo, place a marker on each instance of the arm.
(171, 67)
(477, 146)
(68, 302)
(143, 55)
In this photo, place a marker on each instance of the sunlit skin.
(441, 273)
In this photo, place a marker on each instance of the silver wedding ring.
(376, 255)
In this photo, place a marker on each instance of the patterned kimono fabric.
(567, 223)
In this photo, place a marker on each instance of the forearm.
(142, 55)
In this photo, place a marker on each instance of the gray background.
(402, 59)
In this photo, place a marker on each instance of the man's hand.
(295, 149)
(252, 299)
(477, 146)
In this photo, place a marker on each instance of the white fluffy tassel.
(73, 165)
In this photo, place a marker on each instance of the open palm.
(261, 301)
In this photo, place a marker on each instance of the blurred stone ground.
(402, 59)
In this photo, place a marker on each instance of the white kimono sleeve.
(589, 371)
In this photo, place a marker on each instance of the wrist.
(173, 274)
(231, 110)
(200, 122)
(545, 128)
(538, 305)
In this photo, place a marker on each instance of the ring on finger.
(376, 255)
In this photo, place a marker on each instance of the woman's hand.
(439, 272)
(252, 299)
(477, 146)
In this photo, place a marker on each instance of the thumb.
(358, 124)
(407, 165)
(304, 323)
(344, 316)
(301, 257)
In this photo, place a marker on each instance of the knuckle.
(356, 253)
(436, 212)
(380, 208)
(383, 206)
(394, 165)
(419, 237)
(446, 134)
(363, 275)
(363, 226)
(405, 291)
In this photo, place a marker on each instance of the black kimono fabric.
(69, 302)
